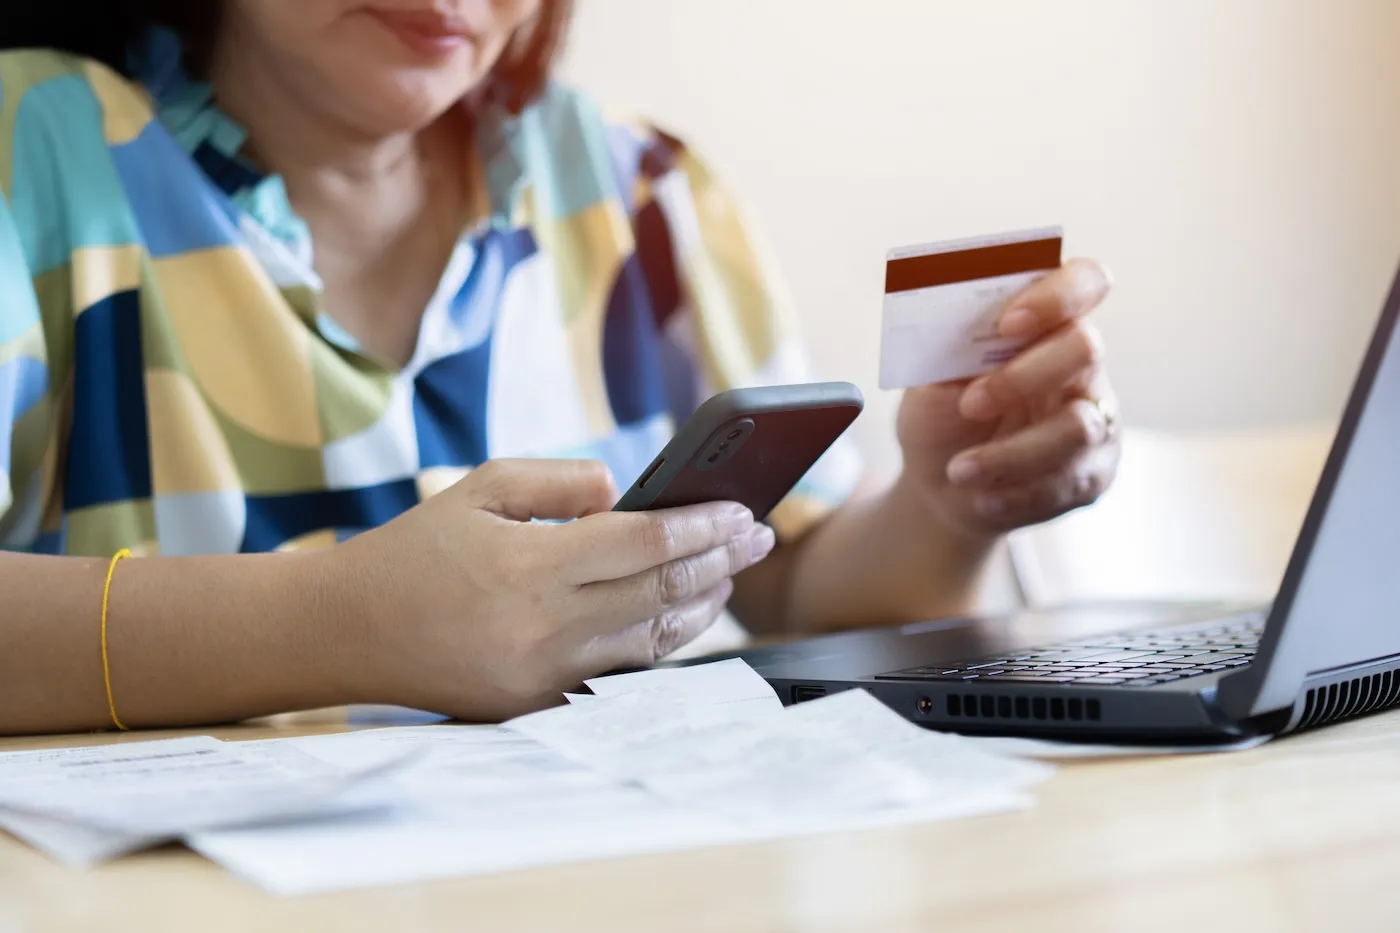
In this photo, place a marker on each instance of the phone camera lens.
(734, 433)
(713, 458)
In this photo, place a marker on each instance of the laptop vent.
(992, 706)
(1350, 698)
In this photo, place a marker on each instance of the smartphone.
(749, 446)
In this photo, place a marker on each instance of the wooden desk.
(1301, 834)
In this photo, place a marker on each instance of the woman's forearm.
(875, 561)
(190, 640)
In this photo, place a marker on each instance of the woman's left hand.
(1032, 440)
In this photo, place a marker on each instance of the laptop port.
(804, 692)
(924, 704)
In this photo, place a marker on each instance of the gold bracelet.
(106, 670)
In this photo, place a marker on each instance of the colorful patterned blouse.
(169, 378)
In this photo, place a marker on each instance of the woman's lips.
(427, 33)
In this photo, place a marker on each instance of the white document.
(159, 790)
(867, 726)
(482, 799)
(717, 682)
(478, 799)
(73, 844)
(475, 762)
(943, 303)
(731, 684)
(841, 755)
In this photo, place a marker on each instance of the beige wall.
(1235, 162)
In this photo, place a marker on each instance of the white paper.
(866, 726)
(475, 762)
(731, 685)
(479, 799)
(844, 754)
(718, 682)
(73, 844)
(161, 789)
(482, 799)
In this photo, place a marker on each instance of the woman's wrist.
(210, 639)
(351, 623)
(934, 566)
(339, 594)
(907, 501)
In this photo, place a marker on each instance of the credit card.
(943, 302)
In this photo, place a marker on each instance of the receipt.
(651, 761)
(73, 844)
(843, 754)
(478, 799)
(484, 799)
(732, 684)
(732, 681)
(111, 796)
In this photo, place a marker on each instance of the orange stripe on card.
(969, 265)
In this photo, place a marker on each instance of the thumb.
(527, 489)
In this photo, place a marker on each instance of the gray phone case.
(746, 445)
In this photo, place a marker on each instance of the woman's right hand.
(465, 606)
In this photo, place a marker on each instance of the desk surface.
(1301, 834)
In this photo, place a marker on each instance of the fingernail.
(1017, 323)
(737, 519)
(977, 404)
(761, 541)
(991, 507)
(963, 470)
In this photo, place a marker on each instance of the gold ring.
(1108, 411)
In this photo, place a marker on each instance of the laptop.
(1325, 649)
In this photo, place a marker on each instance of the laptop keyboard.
(1132, 659)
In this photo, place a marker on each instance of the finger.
(1068, 293)
(1078, 485)
(1094, 384)
(1042, 371)
(616, 545)
(527, 489)
(1043, 448)
(653, 592)
(645, 643)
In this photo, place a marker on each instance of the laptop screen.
(1339, 604)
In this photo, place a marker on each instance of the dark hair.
(104, 30)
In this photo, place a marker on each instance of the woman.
(277, 276)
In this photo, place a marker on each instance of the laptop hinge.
(1236, 692)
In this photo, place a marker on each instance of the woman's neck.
(366, 181)
(384, 211)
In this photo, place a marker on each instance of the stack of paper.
(716, 738)
(649, 762)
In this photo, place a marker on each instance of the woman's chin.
(405, 102)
